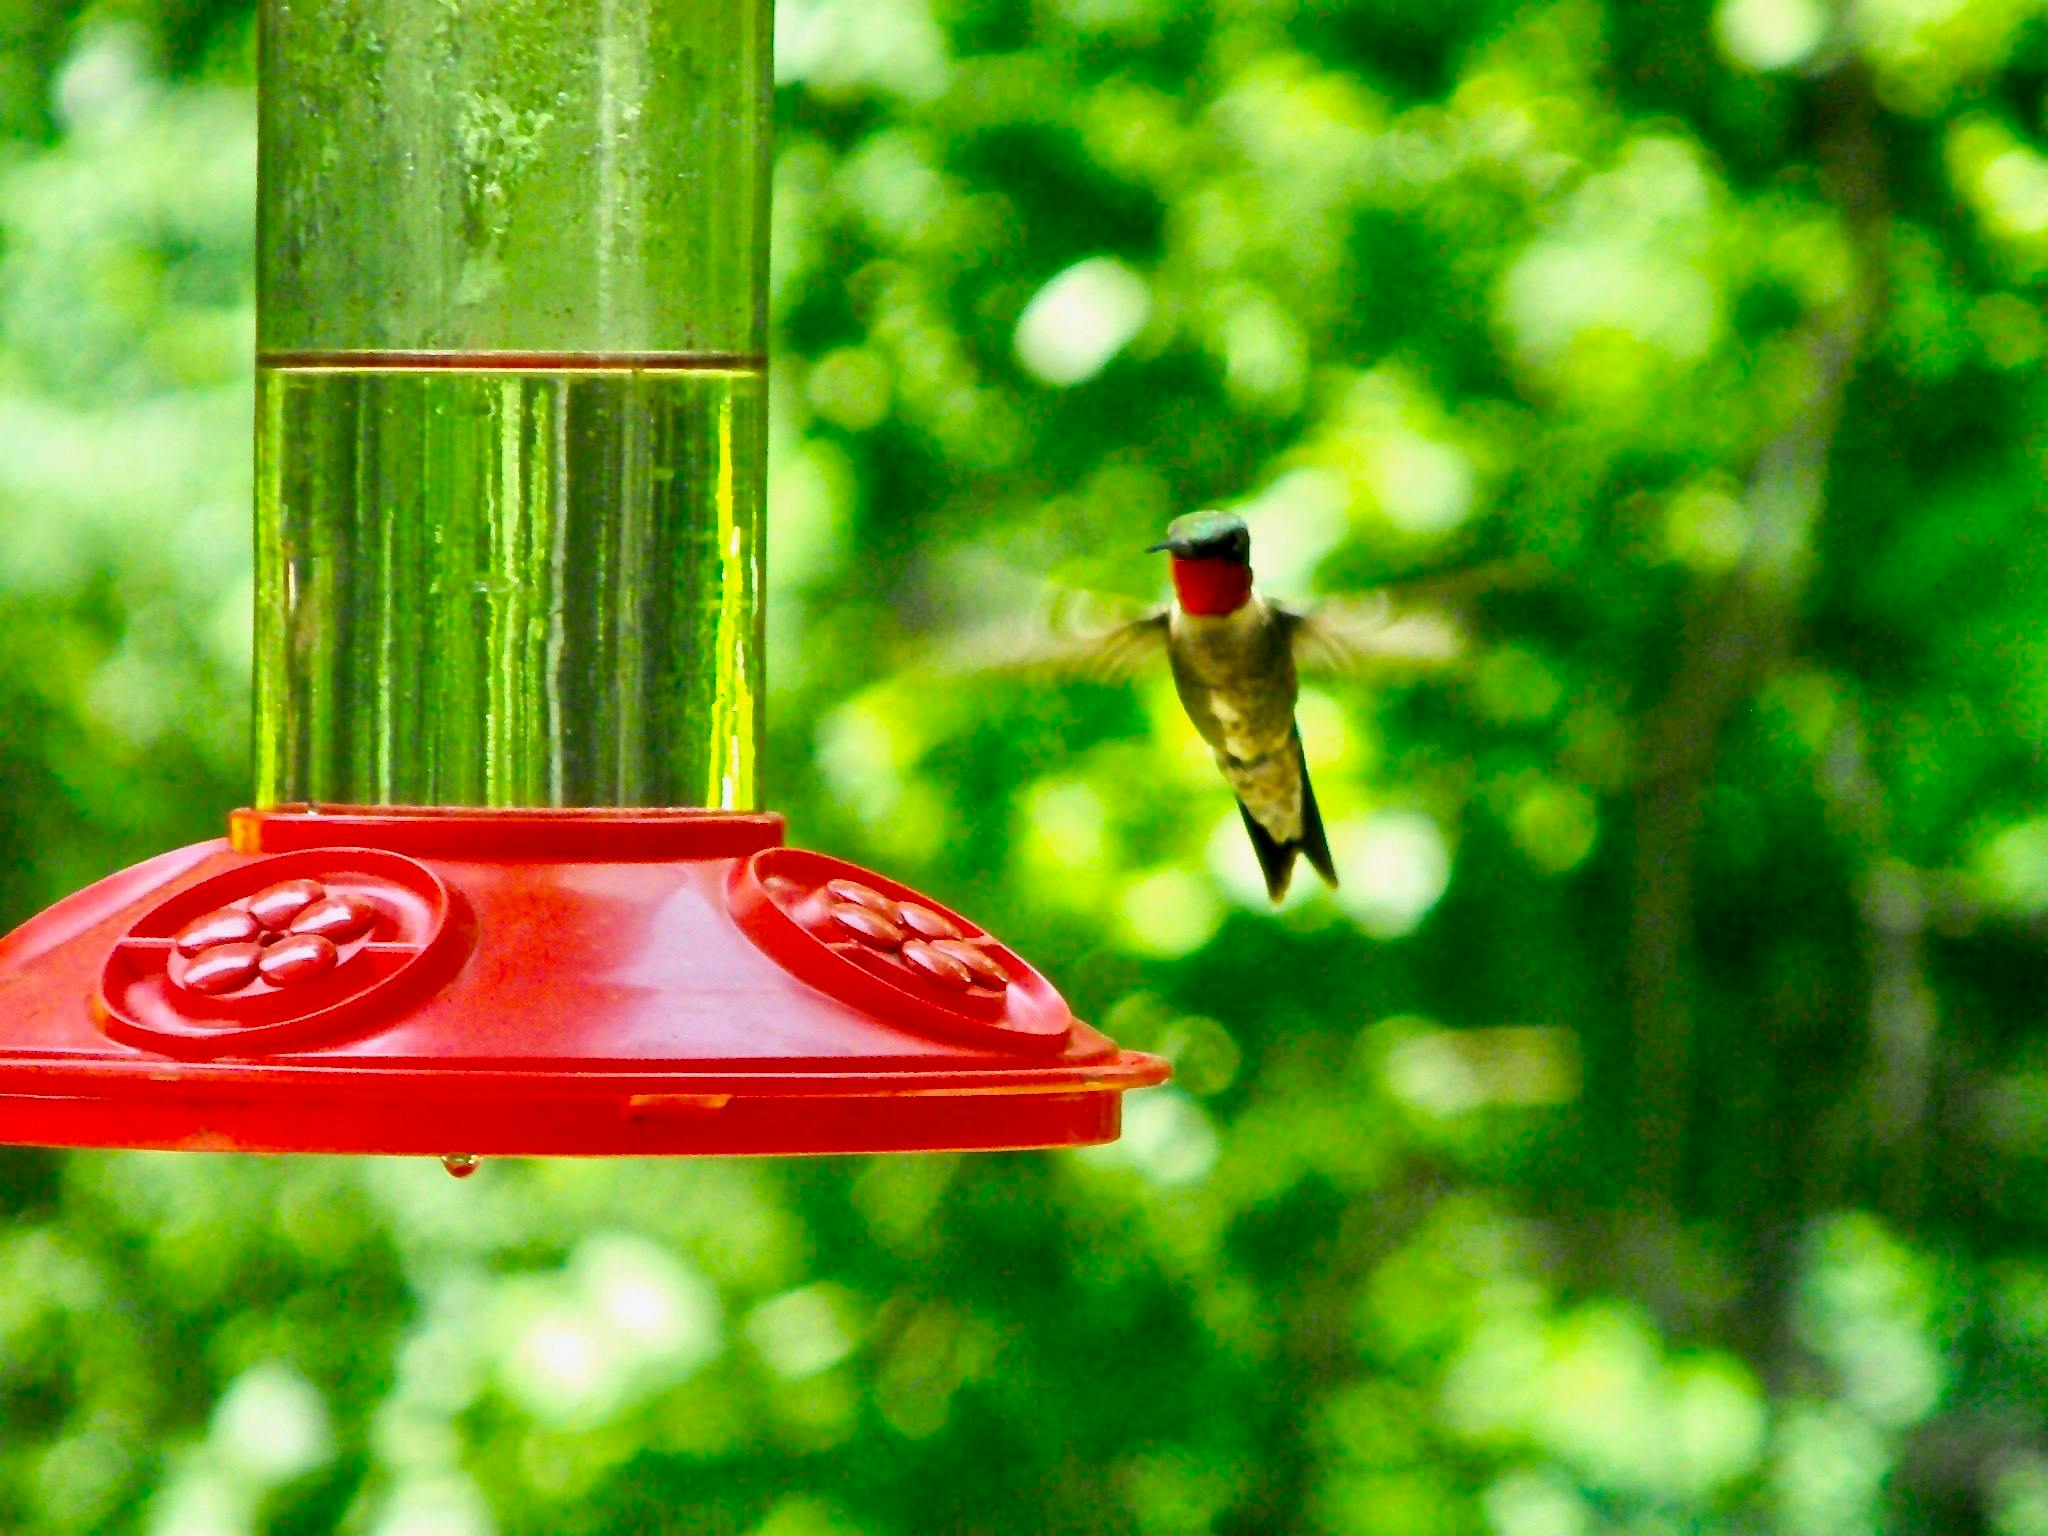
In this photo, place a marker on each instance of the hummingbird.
(1232, 655)
(1236, 657)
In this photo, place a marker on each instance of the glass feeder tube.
(510, 416)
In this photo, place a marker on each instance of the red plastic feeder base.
(337, 979)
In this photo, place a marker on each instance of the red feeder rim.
(445, 981)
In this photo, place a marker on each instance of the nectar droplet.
(460, 1165)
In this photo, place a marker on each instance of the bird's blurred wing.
(1091, 636)
(1082, 640)
(1407, 624)
(1372, 634)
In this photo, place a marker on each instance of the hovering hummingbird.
(1237, 657)
(1234, 655)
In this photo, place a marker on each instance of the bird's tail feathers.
(1315, 843)
(1276, 858)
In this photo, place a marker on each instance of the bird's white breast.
(1218, 641)
(1222, 654)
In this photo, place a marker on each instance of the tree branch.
(1731, 645)
(1892, 906)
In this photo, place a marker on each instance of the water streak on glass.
(508, 580)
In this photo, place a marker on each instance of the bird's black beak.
(1163, 544)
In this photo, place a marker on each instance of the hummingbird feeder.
(505, 890)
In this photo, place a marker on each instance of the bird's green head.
(1208, 536)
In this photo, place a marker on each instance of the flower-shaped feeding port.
(292, 932)
(927, 941)
(295, 950)
(880, 945)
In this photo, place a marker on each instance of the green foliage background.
(1650, 1137)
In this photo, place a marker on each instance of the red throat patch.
(1211, 588)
